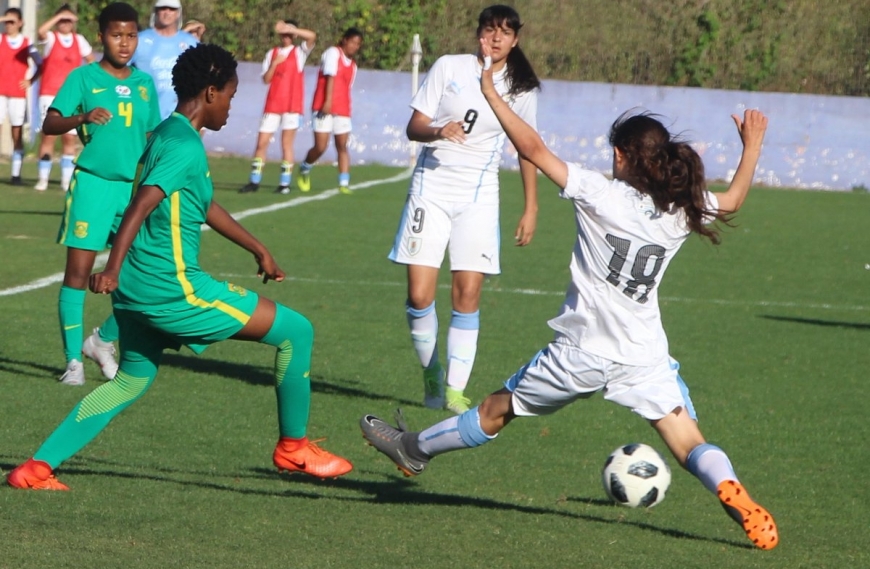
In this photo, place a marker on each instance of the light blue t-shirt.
(156, 56)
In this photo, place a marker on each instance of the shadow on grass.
(31, 369)
(816, 322)
(263, 376)
(393, 490)
(28, 212)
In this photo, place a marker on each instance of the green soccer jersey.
(111, 150)
(162, 266)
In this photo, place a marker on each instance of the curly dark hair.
(197, 68)
(665, 168)
(117, 12)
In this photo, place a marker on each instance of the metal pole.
(416, 56)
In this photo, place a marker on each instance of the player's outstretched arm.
(144, 201)
(221, 221)
(55, 123)
(524, 138)
(751, 130)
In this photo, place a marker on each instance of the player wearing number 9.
(113, 107)
(453, 200)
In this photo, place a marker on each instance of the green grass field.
(770, 329)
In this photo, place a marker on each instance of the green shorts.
(93, 211)
(215, 317)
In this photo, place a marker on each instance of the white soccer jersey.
(624, 245)
(465, 172)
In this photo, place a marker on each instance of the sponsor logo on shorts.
(81, 230)
(241, 291)
(414, 245)
(487, 257)
(123, 91)
(143, 92)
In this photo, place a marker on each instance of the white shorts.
(561, 373)
(287, 121)
(45, 102)
(428, 227)
(331, 123)
(13, 108)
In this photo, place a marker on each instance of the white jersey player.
(609, 336)
(453, 200)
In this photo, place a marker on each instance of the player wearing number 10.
(113, 107)
(453, 201)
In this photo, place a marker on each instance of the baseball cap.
(168, 4)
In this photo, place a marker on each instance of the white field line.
(536, 292)
(101, 259)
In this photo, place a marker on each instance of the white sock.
(44, 170)
(711, 465)
(17, 159)
(67, 165)
(461, 348)
(424, 333)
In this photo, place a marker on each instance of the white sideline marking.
(101, 259)
(536, 292)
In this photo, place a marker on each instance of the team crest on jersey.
(123, 91)
(81, 230)
(241, 291)
(414, 245)
(143, 92)
(182, 45)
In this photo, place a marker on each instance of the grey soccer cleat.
(397, 444)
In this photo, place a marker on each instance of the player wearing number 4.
(453, 200)
(609, 334)
(284, 72)
(113, 107)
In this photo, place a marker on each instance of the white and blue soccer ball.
(636, 475)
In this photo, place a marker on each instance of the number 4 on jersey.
(641, 259)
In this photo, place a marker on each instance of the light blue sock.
(458, 432)
(286, 173)
(305, 167)
(256, 171)
(44, 169)
(344, 179)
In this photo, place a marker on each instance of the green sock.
(70, 310)
(91, 416)
(109, 329)
(293, 335)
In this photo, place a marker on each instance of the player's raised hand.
(268, 269)
(104, 282)
(283, 27)
(97, 116)
(486, 82)
(752, 128)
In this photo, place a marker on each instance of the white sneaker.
(74, 374)
(41, 186)
(101, 352)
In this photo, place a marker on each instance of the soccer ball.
(636, 475)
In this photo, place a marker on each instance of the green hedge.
(760, 45)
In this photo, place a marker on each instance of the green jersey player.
(113, 107)
(166, 299)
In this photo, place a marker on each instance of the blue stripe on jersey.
(483, 173)
(398, 240)
(684, 390)
(514, 380)
(421, 164)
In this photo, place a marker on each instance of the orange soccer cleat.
(34, 475)
(305, 456)
(756, 521)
